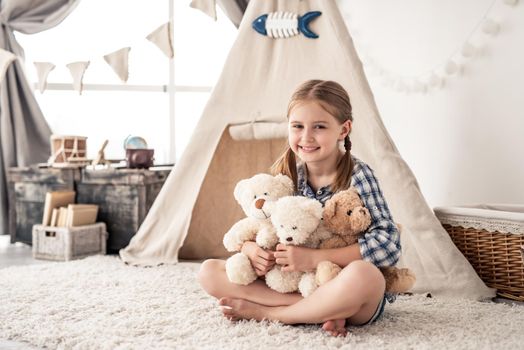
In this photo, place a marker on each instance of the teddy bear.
(255, 195)
(298, 221)
(347, 219)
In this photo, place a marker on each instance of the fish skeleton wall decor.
(285, 24)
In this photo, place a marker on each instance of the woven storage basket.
(491, 238)
(69, 243)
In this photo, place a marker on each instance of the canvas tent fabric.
(196, 206)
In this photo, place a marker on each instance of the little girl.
(320, 121)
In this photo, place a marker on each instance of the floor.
(20, 254)
(14, 255)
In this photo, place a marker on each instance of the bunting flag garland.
(6, 57)
(77, 70)
(206, 6)
(452, 66)
(161, 37)
(119, 61)
(42, 70)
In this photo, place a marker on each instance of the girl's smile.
(308, 149)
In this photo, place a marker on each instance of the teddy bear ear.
(286, 182)
(330, 209)
(239, 189)
(352, 190)
(363, 222)
(313, 207)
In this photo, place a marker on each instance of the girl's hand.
(262, 260)
(294, 258)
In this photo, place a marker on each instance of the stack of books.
(60, 210)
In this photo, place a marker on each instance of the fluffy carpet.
(101, 303)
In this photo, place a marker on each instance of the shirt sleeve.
(380, 244)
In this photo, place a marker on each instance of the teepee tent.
(196, 206)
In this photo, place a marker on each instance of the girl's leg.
(353, 295)
(212, 277)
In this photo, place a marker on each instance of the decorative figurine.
(279, 25)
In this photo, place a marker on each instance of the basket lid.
(506, 218)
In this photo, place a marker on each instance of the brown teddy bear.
(347, 219)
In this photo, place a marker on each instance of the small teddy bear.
(347, 219)
(297, 221)
(255, 195)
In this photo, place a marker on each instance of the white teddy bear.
(255, 195)
(298, 221)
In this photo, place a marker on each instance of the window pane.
(188, 110)
(111, 115)
(201, 45)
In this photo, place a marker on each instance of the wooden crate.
(27, 188)
(124, 197)
(68, 243)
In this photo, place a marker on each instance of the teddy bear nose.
(289, 239)
(260, 203)
(349, 212)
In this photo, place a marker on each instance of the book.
(62, 217)
(54, 217)
(54, 200)
(81, 214)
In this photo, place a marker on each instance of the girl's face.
(314, 133)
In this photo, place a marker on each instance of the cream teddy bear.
(298, 222)
(347, 218)
(255, 195)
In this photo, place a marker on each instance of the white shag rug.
(101, 303)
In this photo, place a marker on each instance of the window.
(110, 109)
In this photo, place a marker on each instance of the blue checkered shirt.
(380, 244)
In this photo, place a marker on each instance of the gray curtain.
(234, 9)
(24, 133)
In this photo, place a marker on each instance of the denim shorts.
(378, 312)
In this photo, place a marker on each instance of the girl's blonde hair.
(334, 99)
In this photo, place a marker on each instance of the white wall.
(464, 141)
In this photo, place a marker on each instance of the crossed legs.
(353, 295)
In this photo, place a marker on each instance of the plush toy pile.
(274, 216)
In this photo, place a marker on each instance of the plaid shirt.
(380, 245)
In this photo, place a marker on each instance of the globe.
(135, 142)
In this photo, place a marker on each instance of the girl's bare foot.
(236, 309)
(335, 327)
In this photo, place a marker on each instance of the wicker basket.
(491, 238)
(69, 243)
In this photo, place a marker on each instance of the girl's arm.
(306, 259)
(380, 244)
(340, 256)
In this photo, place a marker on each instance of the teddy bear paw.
(239, 270)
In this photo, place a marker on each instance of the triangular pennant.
(6, 57)
(77, 70)
(119, 61)
(42, 70)
(206, 6)
(161, 37)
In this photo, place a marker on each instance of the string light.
(452, 66)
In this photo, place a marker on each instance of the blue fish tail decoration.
(285, 24)
(303, 23)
